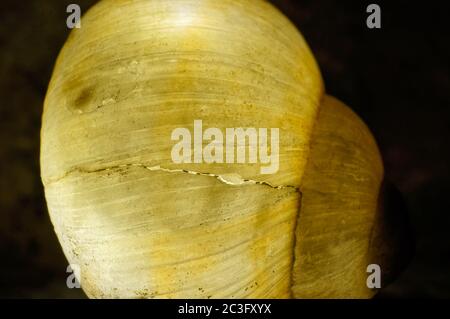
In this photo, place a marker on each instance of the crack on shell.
(233, 179)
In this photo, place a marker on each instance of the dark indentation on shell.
(81, 102)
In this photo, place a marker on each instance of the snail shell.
(140, 225)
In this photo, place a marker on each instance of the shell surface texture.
(143, 225)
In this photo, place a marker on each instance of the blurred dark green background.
(396, 79)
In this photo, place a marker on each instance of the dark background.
(396, 79)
